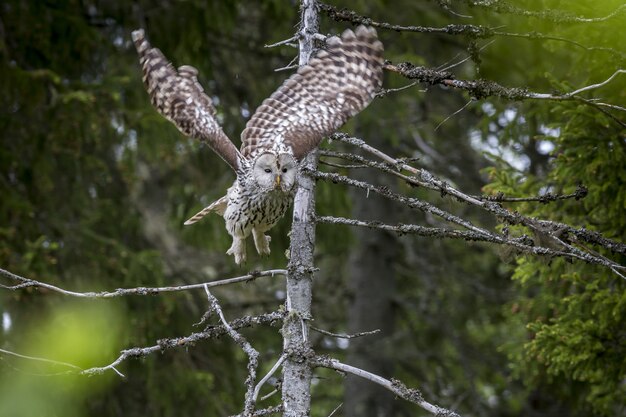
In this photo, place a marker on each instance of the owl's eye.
(268, 170)
(284, 169)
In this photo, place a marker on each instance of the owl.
(336, 84)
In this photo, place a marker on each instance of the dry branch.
(398, 388)
(554, 16)
(470, 31)
(523, 243)
(179, 342)
(264, 412)
(27, 283)
(424, 178)
(252, 353)
(344, 336)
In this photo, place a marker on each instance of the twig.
(344, 336)
(265, 412)
(289, 66)
(581, 192)
(330, 164)
(445, 6)
(594, 86)
(26, 282)
(456, 64)
(332, 413)
(555, 16)
(38, 359)
(268, 395)
(253, 355)
(263, 380)
(393, 385)
(453, 114)
(289, 42)
(384, 91)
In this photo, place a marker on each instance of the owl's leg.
(261, 241)
(238, 250)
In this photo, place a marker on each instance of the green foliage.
(575, 312)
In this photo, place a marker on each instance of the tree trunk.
(296, 390)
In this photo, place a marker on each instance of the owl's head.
(274, 171)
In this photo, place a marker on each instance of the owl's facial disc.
(275, 172)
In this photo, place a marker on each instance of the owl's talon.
(238, 250)
(262, 242)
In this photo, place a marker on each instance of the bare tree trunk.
(296, 390)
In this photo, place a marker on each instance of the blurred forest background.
(95, 186)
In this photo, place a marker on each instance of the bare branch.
(426, 179)
(179, 342)
(445, 6)
(471, 31)
(581, 192)
(289, 66)
(395, 386)
(453, 114)
(268, 395)
(345, 15)
(384, 91)
(265, 412)
(39, 359)
(26, 283)
(480, 89)
(555, 16)
(263, 380)
(332, 413)
(594, 86)
(523, 243)
(290, 42)
(410, 202)
(456, 64)
(253, 355)
(344, 336)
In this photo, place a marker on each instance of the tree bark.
(296, 389)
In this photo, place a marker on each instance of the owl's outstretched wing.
(337, 83)
(178, 96)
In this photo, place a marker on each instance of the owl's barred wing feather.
(179, 97)
(338, 82)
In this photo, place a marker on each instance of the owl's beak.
(277, 181)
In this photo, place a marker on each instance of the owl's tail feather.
(218, 206)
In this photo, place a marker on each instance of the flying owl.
(338, 82)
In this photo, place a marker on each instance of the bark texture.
(296, 390)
